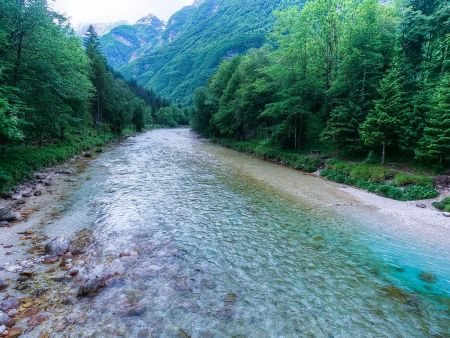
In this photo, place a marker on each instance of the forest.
(58, 95)
(343, 77)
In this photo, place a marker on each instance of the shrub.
(443, 205)
(403, 180)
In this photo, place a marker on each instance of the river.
(222, 253)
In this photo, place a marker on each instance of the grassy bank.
(18, 163)
(394, 184)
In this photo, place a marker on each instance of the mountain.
(126, 43)
(100, 28)
(192, 44)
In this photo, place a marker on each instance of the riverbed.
(221, 244)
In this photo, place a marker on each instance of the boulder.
(446, 214)
(57, 246)
(8, 215)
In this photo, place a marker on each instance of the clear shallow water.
(223, 255)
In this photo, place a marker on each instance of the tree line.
(344, 75)
(52, 84)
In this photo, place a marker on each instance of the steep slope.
(100, 28)
(126, 43)
(197, 38)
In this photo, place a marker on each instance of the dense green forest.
(342, 76)
(58, 94)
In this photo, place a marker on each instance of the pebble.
(2, 329)
(9, 304)
(26, 195)
(20, 202)
(37, 193)
(4, 318)
(15, 332)
(421, 205)
(14, 268)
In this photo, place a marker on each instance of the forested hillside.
(197, 39)
(57, 97)
(342, 76)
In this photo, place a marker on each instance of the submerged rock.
(92, 286)
(57, 246)
(427, 277)
(65, 172)
(5, 319)
(7, 215)
(9, 304)
(3, 284)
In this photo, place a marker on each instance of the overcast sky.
(99, 11)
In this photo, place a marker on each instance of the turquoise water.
(223, 255)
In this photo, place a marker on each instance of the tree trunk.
(383, 154)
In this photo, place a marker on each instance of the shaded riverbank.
(203, 241)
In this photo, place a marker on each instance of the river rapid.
(221, 253)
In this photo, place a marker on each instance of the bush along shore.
(390, 183)
(18, 163)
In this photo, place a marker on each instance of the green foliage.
(377, 179)
(443, 205)
(403, 179)
(18, 163)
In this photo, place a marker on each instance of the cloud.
(99, 11)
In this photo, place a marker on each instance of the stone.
(48, 184)
(20, 202)
(427, 277)
(38, 193)
(65, 172)
(129, 254)
(26, 194)
(3, 284)
(37, 319)
(8, 215)
(7, 195)
(4, 319)
(15, 332)
(14, 268)
(421, 205)
(87, 154)
(9, 304)
(57, 246)
(91, 286)
(2, 329)
(446, 214)
(50, 259)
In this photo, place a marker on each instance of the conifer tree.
(435, 143)
(382, 124)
